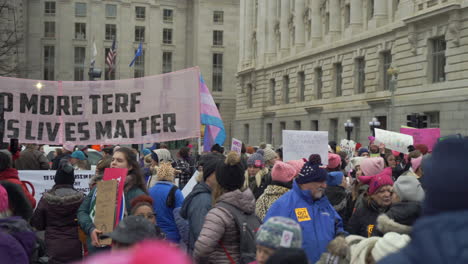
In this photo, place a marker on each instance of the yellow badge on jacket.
(370, 228)
(302, 214)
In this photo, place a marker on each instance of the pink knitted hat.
(283, 172)
(372, 166)
(4, 206)
(334, 161)
(297, 164)
(377, 181)
(416, 163)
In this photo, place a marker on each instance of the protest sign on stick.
(118, 174)
(236, 146)
(393, 140)
(105, 208)
(298, 144)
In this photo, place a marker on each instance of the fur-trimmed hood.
(258, 177)
(385, 224)
(63, 195)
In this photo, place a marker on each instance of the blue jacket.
(319, 221)
(436, 239)
(165, 215)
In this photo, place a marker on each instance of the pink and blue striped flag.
(210, 117)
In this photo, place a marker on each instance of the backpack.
(247, 224)
(171, 199)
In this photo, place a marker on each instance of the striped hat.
(280, 232)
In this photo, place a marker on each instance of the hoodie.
(194, 209)
(11, 175)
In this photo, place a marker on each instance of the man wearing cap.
(131, 230)
(307, 204)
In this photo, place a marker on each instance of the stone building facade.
(314, 64)
(174, 34)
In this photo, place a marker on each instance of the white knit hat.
(388, 244)
(408, 188)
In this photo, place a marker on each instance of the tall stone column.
(248, 22)
(271, 34)
(241, 32)
(380, 12)
(335, 18)
(316, 21)
(356, 15)
(299, 33)
(284, 28)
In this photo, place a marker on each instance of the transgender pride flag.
(210, 117)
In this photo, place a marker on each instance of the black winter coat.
(405, 213)
(341, 200)
(56, 214)
(364, 219)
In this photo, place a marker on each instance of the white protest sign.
(348, 146)
(298, 144)
(190, 185)
(236, 146)
(132, 111)
(43, 180)
(393, 140)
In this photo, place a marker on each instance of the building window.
(347, 15)
(139, 65)
(111, 11)
(282, 127)
(301, 86)
(333, 131)
(167, 62)
(246, 133)
(108, 75)
(217, 72)
(168, 15)
(269, 133)
(217, 37)
(80, 9)
(286, 89)
(111, 32)
(360, 66)
(314, 125)
(167, 36)
(80, 55)
(49, 29)
(249, 95)
(49, 8)
(438, 59)
(386, 60)
(338, 79)
(140, 12)
(327, 23)
(318, 82)
(370, 9)
(433, 120)
(272, 91)
(297, 125)
(80, 31)
(49, 63)
(357, 128)
(218, 17)
(139, 34)
(383, 122)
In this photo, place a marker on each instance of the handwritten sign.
(393, 140)
(119, 175)
(236, 146)
(105, 208)
(298, 144)
(426, 136)
(44, 180)
(348, 146)
(302, 214)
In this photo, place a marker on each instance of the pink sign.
(426, 136)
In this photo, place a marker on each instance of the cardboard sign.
(298, 144)
(105, 208)
(393, 140)
(426, 136)
(119, 175)
(236, 146)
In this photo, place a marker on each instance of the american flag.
(111, 55)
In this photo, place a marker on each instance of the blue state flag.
(137, 54)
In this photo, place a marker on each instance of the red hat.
(377, 181)
(358, 146)
(422, 148)
(334, 161)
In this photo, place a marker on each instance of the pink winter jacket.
(220, 226)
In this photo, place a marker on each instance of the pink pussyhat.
(416, 163)
(377, 181)
(297, 164)
(4, 205)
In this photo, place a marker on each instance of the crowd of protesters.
(371, 205)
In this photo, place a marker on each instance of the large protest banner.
(298, 144)
(133, 111)
(393, 140)
(43, 180)
(426, 136)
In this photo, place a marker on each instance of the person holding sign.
(134, 187)
(307, 204)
